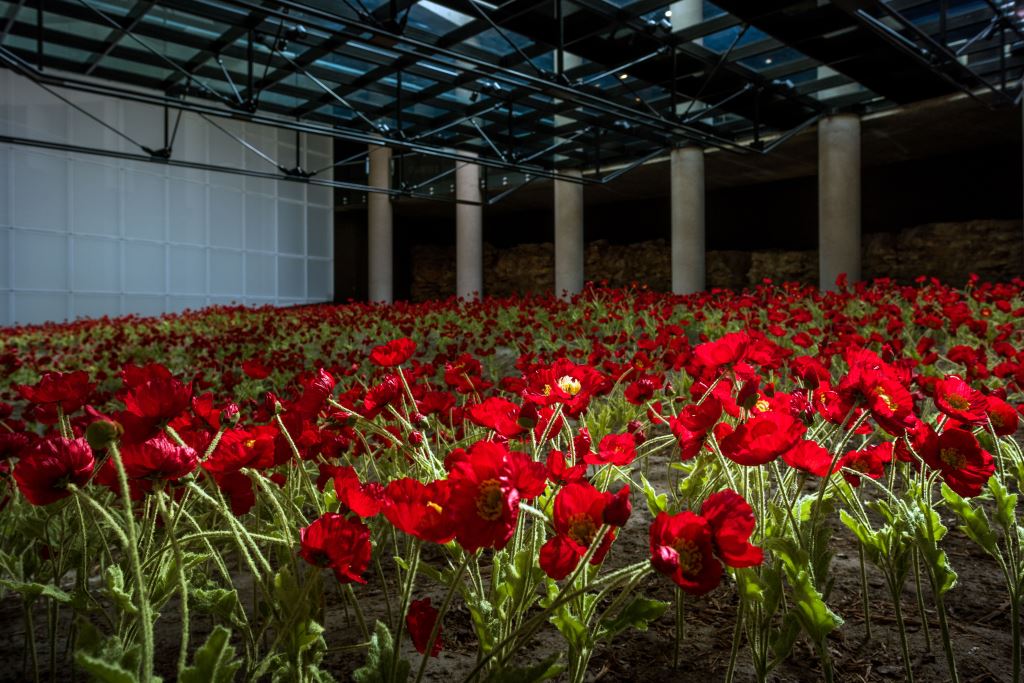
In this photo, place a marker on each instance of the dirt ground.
(978, 614)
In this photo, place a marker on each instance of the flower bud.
(415, 438)
(617, 512)
(230, 414)
(101, 433)
(528, 416)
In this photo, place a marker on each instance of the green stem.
(30, 637)
(410, 580)
(145, 615)
(680, 627)
(737, 637)
(920, 602)
(947, 642)
(179, 562)
(864, 593)
(895, 591)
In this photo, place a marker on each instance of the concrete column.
(380, 247)
(838, 199)
(568, 236)
(469, 228)
(688, 258)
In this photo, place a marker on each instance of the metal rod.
(487, 139)
(252, 148)
(636, 164)
(790, 133)
(179, 163)
(479, 10)
(227, 77)
(498, 197)
(619, 69)
(714, 70)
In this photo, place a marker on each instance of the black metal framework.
(527, 88)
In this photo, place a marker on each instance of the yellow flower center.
(489, 500)
(569, 385)
(250, 443)
(582, 529)
(886, 399)
(952, 457)
(690, 559)
(435, 507)
(959, 402)
(762, 406)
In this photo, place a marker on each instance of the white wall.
(85, 235)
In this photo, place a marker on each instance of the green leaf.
(1006, 505)
(655, 502)
(638, 614)
(114, 579)
(974, 522)
(103, 670)
(214, 662)
(929, 530)
(782, 640)
(542, 671)
(379, 657)
(815, 617)
(32, 591)
(219, 602)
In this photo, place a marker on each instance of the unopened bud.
(102, 433)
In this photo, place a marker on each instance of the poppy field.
(774, 484)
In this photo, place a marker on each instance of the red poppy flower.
(564, 382)
(393, 353)
(561, 473)
(958, 400)
(47, 466)
(419, 621)
(1003, 417)
(418, 509)
(315, 393)
(578, 516)
(725, 350)
(70, 390)
(614, 449)
(486, 487)
(152, 395)
(364, 499)
(732, 523)
(158, 459)
(867, 462)
(379, 396)
(763, 438)
(810, 457)
(643, 389)
(337, 543)
(255, 369)
(681, 548)
(497, 414)
(964, 464)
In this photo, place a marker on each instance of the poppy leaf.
(215, 661)
(638, 614)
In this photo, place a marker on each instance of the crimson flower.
(364, 499)
(690, 548)
(158, 459)
(867, 462)
(420, 620)
(964, 464)
(579, 513)
(47, 467)
(497, 414)
(810, 457)
(562, 473)
(70, 390)
(315, 393)
(763, 438)
(379, 396)
(393, 353)
(487, 482)
(418, 509)
(255, 369)
(1003, 417)
(339, 544)
(614, 449)
(958, 400)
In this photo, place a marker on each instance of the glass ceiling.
(485, 77)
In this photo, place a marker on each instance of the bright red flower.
(958, 400)
(255, 369)
(561, 473)
(315, 393)
(614, 449)
(379, 396)
(419, 621)
(763, 438)
(809, 456)
(337, 543)
(1003, 417)
(732, 523)
(725, 350)
(564, 382)
(867, 462)
(393, 353)
(151, 395)
(47, 467)
(578, 515)
(418, 509)
(158, 459)
(70, 390)
(643, 389)
(964, 464)
(497, 414)
(681, 549)
(487, 484)
(364, 499)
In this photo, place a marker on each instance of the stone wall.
(950, 251)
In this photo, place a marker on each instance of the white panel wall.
(85, 235)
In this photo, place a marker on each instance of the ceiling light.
(668, 13)
(623, 76)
